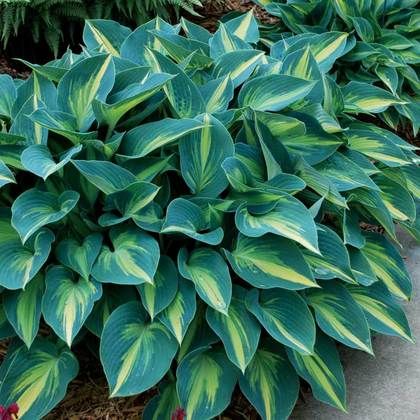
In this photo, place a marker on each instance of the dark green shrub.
(54, 20)
(196, 204)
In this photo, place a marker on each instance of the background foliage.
(54, 21)
(195, 208)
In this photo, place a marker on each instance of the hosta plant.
(382, 49)
(200, 207)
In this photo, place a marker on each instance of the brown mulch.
(12, 68)
(213, 10)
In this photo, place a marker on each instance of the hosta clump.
(197, 205)
(379, 46)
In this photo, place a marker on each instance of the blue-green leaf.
(79, 256)
(20, 263)
(270, 383)
(135, 354)
(35, 208)
(68, 301)
(205, 382)
(23, 309)
(106, 176)
(323, 371)
(132, 259)
(210, 274)
(285, 316)
(146, 138)
(187, 218)
(36, 379)
(39, 160)
(339, 316)
(237, 329)
(202, 153)
(89, 79)
(159, 295)
(270, 261)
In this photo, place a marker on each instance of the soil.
(12, 68)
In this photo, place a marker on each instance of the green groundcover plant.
(196, 204)
(384, 35)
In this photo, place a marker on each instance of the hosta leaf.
(363, 97)
(8, 96)
(51, 72)
(344, 174)
(289, 218)
(68, 301)
(224, 41)
(158, 296)
(39, 160)
(333, 260)
(339, 316)
(61, 123)
(6, 175)
(35, 208)
(320, 184)
(163, 405)
(217, 94)
(285, 316)
(89, 79)
(244, 27)
(397, 199)
(302, 64)
(37, 92)
(106, 176)
(352, 234)
(194, 31)
(135, 354)
(389, 77)
(327, 47)
(239, 65)
(113, 296)
(23, 309)
(185, 217)
(20, 263)
(104, 35)
(128, 202)
(270, 261)
(360, 267)
(36, 379)
(182, 93)
(237, 329)
(202, 153)
(205, 382)
(132, 258)
(382, 312)
(270, 383)
(121, 102)
(178, 315)
(323, 371)
(210, 274)
(181, 50)
(388, 265)
(376, 146)
(273, 92)
(79, 256)
(143, 37)
(144, 139)
(412, 177)
(373, 203)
